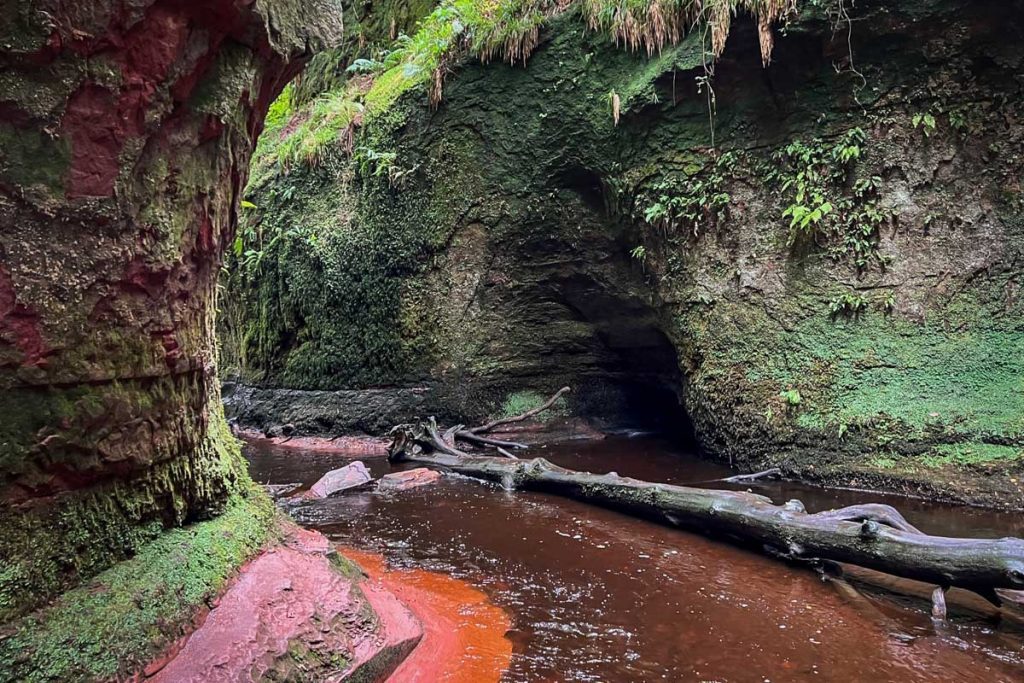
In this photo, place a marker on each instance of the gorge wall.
(824, 275)
(125, 135)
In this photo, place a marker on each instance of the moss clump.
(47, 551)
(454, 29)
(959, 456)
(971, 454)
(125, 616)
(508, 30)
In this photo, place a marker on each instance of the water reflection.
(599, 596)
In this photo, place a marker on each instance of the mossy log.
(872, 536)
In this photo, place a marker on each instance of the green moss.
(920, 375)
(962, 455)
(48, 550)
(125, 616)
(366, 278)
(508, 30)
(971, 454)
(33, 158)
(519, 402)
(883, 462)
(335, 255)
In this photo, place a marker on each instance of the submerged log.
(872, 536)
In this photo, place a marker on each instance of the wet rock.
(278, 491)
(409, 479)
(347, 477)
(292, 615)
(277, 431)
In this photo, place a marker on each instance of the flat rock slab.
(558, 430)
(408, 479)
(347, 477)
(293, 615)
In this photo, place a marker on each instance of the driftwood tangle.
(872, 535)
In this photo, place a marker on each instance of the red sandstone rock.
(363, 446)
(409, 479)
(347, 477)
(558, 430)
(292, 615)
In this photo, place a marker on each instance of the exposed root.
(409, 440)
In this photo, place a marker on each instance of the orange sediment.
(464, 634)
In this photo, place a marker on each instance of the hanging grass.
(650, 25)
(489, 30)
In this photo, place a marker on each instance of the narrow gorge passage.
(598, 596)
(750, 235)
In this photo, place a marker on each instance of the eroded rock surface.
(407, 479)
(125, 134)
(292, 615)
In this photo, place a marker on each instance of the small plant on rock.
(847, 305)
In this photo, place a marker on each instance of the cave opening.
(631, 381)
(634, 385)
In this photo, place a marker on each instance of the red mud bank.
(296, 612)
(464, 634)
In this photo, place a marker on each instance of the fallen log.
(958, 600)
(872, 536)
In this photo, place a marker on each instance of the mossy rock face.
(117, 623)
(126, 137)
(518, 238)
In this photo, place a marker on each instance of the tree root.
(426, 436)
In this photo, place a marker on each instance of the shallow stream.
(595, 595)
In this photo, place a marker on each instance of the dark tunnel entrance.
(632, 381)
(636, 384)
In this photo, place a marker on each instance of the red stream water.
(595, 595)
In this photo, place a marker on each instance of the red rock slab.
(365, 446)
(407, 479)
(293, 615)
(464, 633)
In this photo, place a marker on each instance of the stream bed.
(595, 595)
